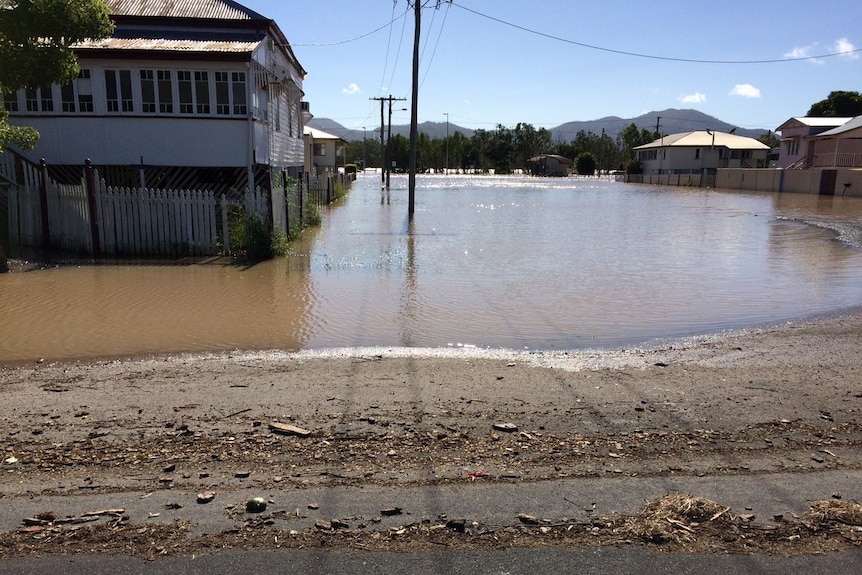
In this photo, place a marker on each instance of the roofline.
(181, 55)
(261, 25)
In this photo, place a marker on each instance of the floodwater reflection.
(491, 261)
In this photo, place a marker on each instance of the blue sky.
(546, 62)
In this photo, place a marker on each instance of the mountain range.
(670, 121)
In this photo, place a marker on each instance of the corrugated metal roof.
(169, 45)
(218, 9)
(704, 139)
(812, 122)
(319, 134)
(853, 124)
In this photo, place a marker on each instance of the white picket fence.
(130, 221)
(134, 221)
(142, 222)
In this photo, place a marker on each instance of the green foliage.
(251, 239)
(838, 104)
(278, 244)
(339, 191)
(769, 139)
(585, 164)
(312, 214)
(36, 35)
(22, 136)
(35, 40)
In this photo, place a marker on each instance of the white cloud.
(695, 98)
(800, 52)
(746, 91)
(846, 49)
(351, 89)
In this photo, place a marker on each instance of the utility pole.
(657, 126)
(384, 147)
(447, 142)
(388, 141)
(414, 107)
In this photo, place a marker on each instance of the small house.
(795, 135)
(840, 147)
(701, 151)
(324, 152)
(550, 165)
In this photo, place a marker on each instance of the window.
(230, 93)
(166, 100)
(38, 100)
(156, 92)
(792, 146)
(697, 153)
(148, 92)
(186, 92)
(9, 100)
(118, 84)
(260, 105)
(238, 84)
(319, 149)
(645, 155)
(194, 92)
(202, 92)
(77, 96)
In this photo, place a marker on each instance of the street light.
(447, 142)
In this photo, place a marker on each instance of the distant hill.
(434, 130)
(670, 121)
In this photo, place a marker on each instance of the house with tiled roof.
(184, 93)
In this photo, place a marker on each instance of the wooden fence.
(141, 222)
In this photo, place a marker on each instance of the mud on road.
(779, 400)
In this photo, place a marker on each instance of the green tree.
(585, 164)
(630, 138)
(838, 104)
(35, 48)
(769, 139)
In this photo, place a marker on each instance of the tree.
(838, 104)
(35, 48)
(585, 164)
(769, 139)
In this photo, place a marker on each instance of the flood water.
(489, 261)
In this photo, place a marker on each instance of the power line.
(436, 43)
(360, 37)
(652, 56)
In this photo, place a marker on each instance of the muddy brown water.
(488, 261)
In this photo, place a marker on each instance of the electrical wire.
(650, 56)
(436, 43)
(397, 54)
(360, 37)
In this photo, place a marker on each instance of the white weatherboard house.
(185, 93)
(324, 152)
(840, 147)
(796, 134)
(702, 151)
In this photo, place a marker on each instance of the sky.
(485, 63)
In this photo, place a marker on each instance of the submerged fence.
(99, 220)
